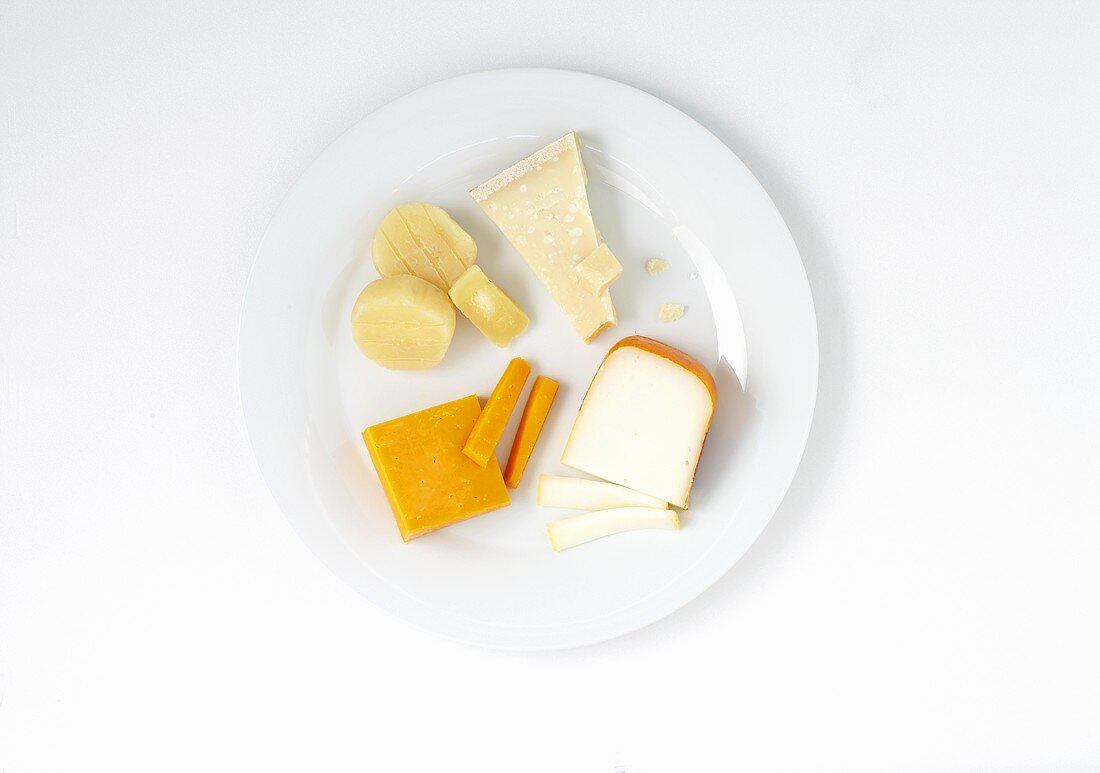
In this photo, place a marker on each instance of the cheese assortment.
(641, 425)
(541, 205)
(405, 320)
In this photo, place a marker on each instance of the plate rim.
(703, 581)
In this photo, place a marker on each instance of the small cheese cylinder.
(490, 425)
(531, 422)
(493, 313)
(599, 269)
(424, 241)
(403, 323)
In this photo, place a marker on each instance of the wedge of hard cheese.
(644, 419)
(541, 205)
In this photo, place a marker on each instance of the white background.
(925, 599)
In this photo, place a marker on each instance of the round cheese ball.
(403, 323)
(422, 240)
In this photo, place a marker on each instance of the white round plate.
(660, 186)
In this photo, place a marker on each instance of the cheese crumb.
(670, 312)
(693, 275)
(655, 266)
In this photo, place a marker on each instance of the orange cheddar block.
(428, 481)
(492, 421)
(538, 405)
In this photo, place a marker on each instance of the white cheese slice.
(643, 420)
(585, 494)
(541, 205)
(578, 529)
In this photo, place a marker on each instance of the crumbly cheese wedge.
(599, 269)
(583, 494)
(578, 529)
(643, 421)
(541, 205)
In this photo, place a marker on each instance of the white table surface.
(926, 599)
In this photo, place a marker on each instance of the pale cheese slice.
(541, 205)
(578, 529)
(584, 494)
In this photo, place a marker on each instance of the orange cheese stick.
(530, 426)
(490, 425)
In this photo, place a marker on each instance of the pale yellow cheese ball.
(422, 240)
(403, 323)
